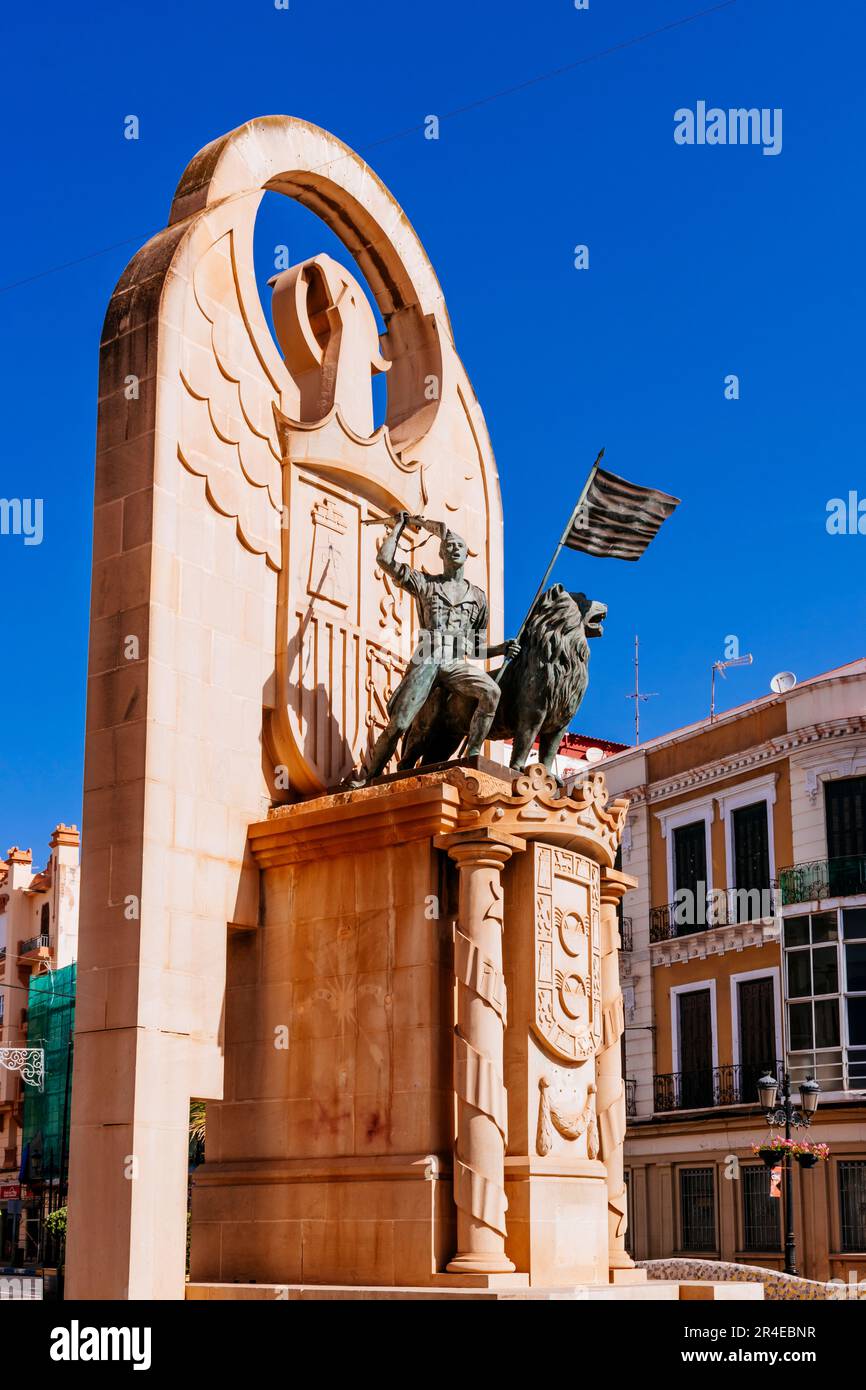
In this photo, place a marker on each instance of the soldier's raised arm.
(401, 573)
(388, 548)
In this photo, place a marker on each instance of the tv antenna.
(721, 667)
(638, 694)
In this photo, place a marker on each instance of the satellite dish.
(594, 755)
(782, 681)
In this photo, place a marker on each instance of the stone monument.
(400, 1000)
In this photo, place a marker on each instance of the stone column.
(610, 1099)
(479, 1152)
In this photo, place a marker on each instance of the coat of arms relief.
(567, 1013)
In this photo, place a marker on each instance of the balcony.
(34, 949)
(2, 953)
(710, 1088)
(823, 878)
(722, 907)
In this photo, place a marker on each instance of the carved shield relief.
(346, 631)
(567, 954)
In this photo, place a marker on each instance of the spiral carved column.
(479, 1154)
(610, 1099)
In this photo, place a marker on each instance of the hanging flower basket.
(773, 1150)
(807, 1155)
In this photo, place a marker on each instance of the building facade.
(578, 753)
(747, 937)
(38, 934)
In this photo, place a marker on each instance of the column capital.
(614, 885)
(482, 842)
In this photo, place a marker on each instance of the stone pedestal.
(330, 1159)
(393, 1116)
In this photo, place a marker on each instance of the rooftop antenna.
(721, 667)
(782, 682)
(638, 694)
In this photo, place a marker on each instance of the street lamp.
(767, 1089)
(809, 1093)
(786, 1115)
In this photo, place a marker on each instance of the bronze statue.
(453, 615)
(541, 691)
(443, 703)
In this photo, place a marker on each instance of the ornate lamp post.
(786, 1114)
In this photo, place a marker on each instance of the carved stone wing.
(227, 431)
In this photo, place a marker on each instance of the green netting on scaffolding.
(50, 1022)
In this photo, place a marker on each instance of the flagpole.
(497, 675)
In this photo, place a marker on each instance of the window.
(852, 1205)
(690, 873)
(697, 1209)
(751, 855)
(825, 977)
(762, 1227)
(695, 1040)
(45, 920)
(845, 810)
(756, 1016)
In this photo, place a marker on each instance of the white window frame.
(762, 789)
(676, 991)
(686, 813)
(775, 975)
(819, 768)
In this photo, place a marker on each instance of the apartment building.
(38, 933)
(745, 951)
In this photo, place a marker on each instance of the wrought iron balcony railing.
(823, 878)
(723, 907)
(710, 1087)
(626, 935)
(630, 1097)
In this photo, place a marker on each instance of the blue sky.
(704, 261)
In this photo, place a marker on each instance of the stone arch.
(313, 167)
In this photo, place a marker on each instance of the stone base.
(477, 763)
(557, 1220)
(624, 1275)
(465, 1279)
(654, 1290)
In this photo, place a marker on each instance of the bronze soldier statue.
(453, 616)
